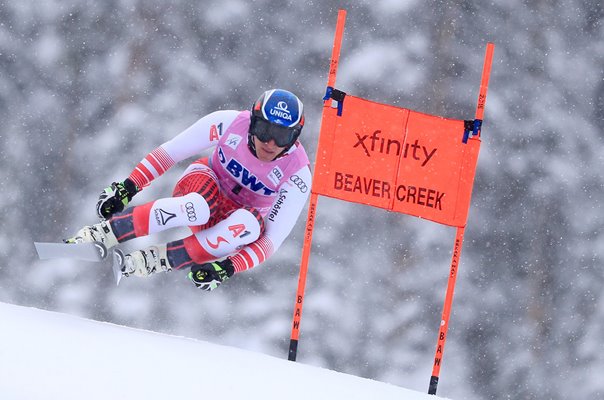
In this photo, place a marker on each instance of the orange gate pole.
(444, 322)
(312, 208)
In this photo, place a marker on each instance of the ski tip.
(90, 251)
(38, 246)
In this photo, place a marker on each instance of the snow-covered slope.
(47, 355)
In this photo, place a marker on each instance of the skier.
(240, 203)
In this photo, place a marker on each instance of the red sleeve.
(253, 254)
(153, 165)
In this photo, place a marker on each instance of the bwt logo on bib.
(243, 175)
(281, 111)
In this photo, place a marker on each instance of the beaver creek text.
(422, 196)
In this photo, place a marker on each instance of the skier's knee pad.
(188, 210)
(243, 226)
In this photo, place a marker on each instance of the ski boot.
(146, 262)
(100, 232)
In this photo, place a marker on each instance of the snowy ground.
(46, 355)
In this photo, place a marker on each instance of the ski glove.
(115, 197)
(209, 276)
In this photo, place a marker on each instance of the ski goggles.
(265, 131)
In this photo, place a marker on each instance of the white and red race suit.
(277, 190)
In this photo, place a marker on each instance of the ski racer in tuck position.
(241, 202)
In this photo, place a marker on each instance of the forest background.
(88, 88)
